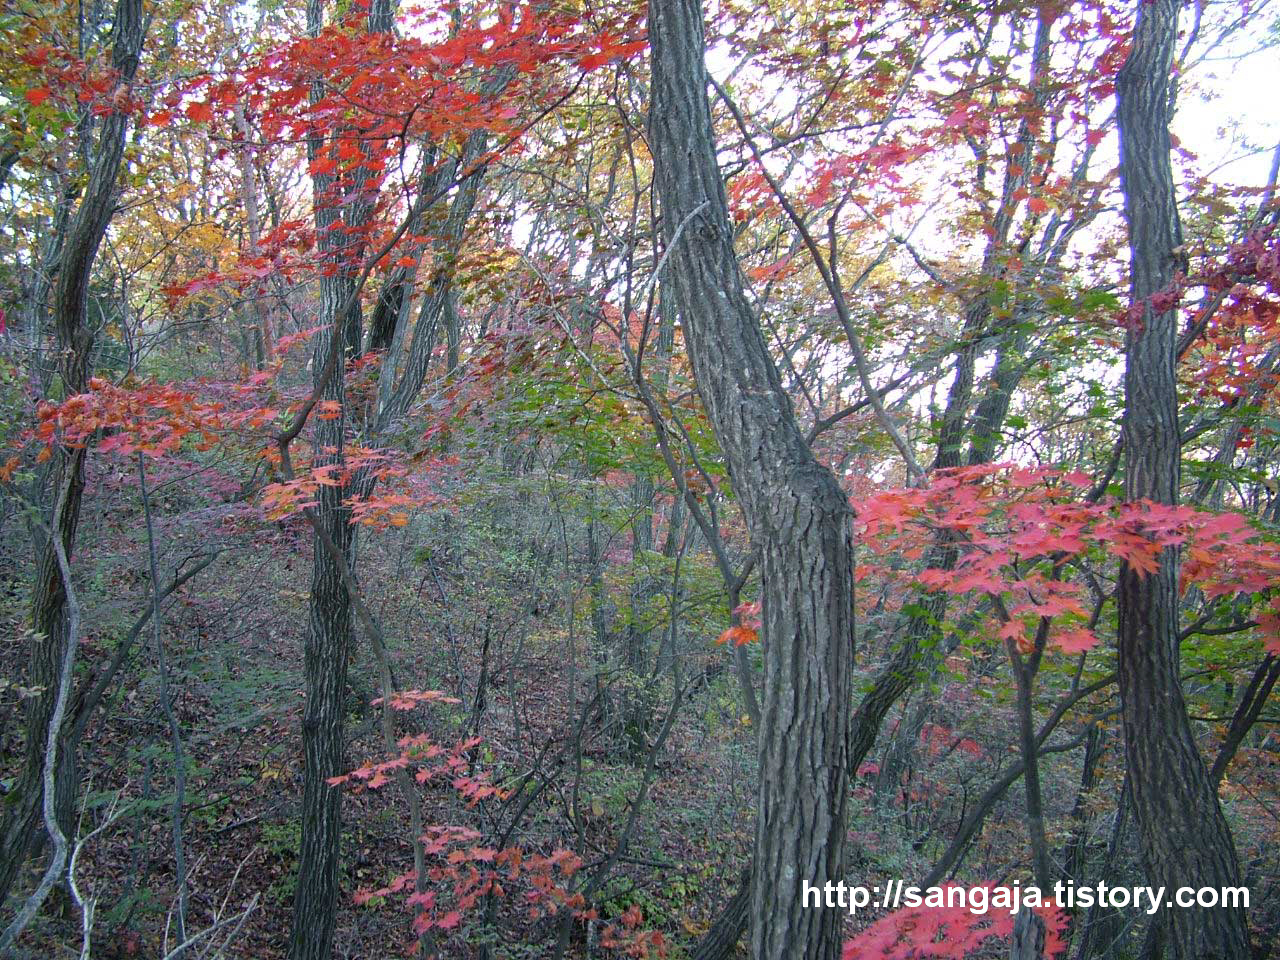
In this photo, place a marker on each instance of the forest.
(562, 480)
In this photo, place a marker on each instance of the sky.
(1240, 98)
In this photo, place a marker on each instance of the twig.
(166, 705)
(59, 859)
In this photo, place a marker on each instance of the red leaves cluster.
(746, 626)
(464, 872)
(409, 699)
(1016, 528)
(141, 416)
(1232, 363)
(463, 868)
(944, 933)
(71, 82)
(738, 636)
(632, 939)
(388, 508)
(420, 81)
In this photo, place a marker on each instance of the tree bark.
(1184, 838)
(326, 653)
(796, 512)
(327, 647)
(75, 341)
(729, 925)
(1028, 937)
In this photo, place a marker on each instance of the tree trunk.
(795, 510)
(1184, 838)
(727, 929)
(1028, 937)
(327, 647)
(325, 655)
(75, 342)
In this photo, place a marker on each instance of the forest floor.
(241, 717)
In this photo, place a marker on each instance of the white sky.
(1244, 100)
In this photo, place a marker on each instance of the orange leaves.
(390, 506)
(280, 500)
(37, 96)
(386, 510)
(745, 628)
(409, 699)
(418, 83)
(610, 51)
(146, 417)
(1075, 641)
(778, 270)
(738, 636)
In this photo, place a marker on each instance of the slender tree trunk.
(1246, 715)
(797, 513)
(75, 340)
(262, 336)
(1073, 855)
(325, 655)
(1101, 928)
(327, 647)
(1184, 837)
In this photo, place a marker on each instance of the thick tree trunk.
(75, 341)
(1184, 838)
(797, 513)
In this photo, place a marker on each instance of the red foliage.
(1017, 528)
(947, 933)
(462, 869)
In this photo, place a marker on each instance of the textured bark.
(726, 931)
(327, 647)
(1184, 838)
(263, 339)
(795, 510)
(325, 655)
(85, 231)
(1028, 937)
(1073, 855)
(914, 657)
